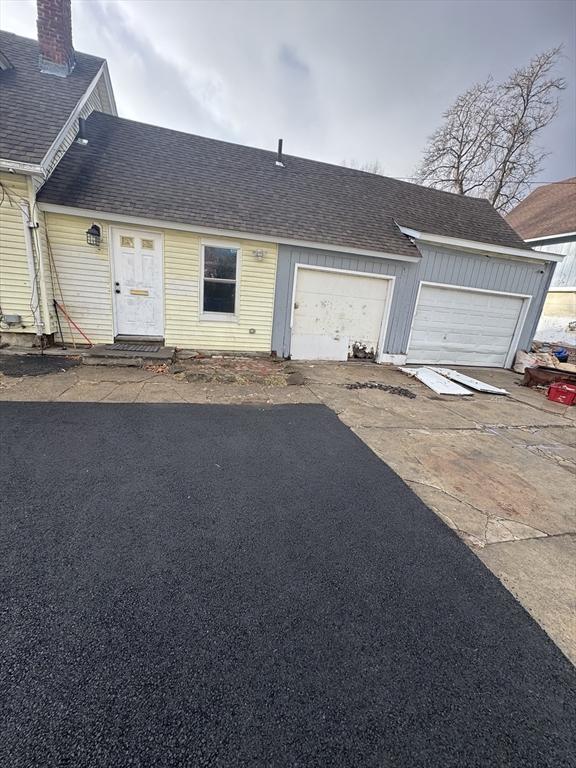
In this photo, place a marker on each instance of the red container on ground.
(562, 392)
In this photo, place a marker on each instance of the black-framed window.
(220, 277)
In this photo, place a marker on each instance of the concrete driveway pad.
(485, 472)
(188, 585)
(374, 408)
(533, 568)
(500, 410)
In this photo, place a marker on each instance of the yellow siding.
(15, 284)
(255, 302)
(85, 278)
(81, 277)
(560, 304)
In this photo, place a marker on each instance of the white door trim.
(527, 298)
(134, 231)
(385, 315)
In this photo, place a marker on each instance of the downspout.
(34, 277)
(34, 228)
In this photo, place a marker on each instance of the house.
(546, 219)
(45, 88)
(146, 233)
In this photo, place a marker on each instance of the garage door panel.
(457, 327)
(334, 311)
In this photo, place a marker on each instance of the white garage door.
(337, 314)
(457, 327)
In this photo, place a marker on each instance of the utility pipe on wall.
(34, 298)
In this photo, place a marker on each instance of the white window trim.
(219, 317)
(527, 300)
(379, 357)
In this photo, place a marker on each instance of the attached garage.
(338, 314)
(459, 326)
(451, 305)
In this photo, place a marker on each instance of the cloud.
(336, 79)
(153, 86)
(288, 57)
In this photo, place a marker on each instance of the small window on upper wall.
(220, 277)
(126, 242)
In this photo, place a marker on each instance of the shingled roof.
(547, 211)
(34, 106)
(144, 171)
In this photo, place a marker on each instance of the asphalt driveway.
(237, 585)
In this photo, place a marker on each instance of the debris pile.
(383, 387)
(153, 368)
(543, 368)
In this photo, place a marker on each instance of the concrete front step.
(105, 354)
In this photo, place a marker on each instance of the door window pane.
(219, 297)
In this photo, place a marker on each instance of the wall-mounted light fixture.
(94, 235)
(259, 254)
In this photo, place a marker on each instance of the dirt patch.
(232, 370)
(383, 387)
(35, 365)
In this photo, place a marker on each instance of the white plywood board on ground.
(468, 381)
(436, 382)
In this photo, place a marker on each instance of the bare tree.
(370, 166)
(486, 145)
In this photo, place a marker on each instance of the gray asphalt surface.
(243, 586)
(35, 365)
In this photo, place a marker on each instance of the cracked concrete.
(500, 471)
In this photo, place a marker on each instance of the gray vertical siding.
(436, 265)
(289, 256)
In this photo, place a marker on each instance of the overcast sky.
(339, 81)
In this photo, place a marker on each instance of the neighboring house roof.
(144, 171)
(548, 211)
(34, 105)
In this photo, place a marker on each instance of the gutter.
(550, 237)
(474, 246)
(113, 218)
(26, 169)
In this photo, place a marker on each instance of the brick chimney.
(55, 37)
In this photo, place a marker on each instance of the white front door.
(138, 284)
(337, 314)
(464, 327)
